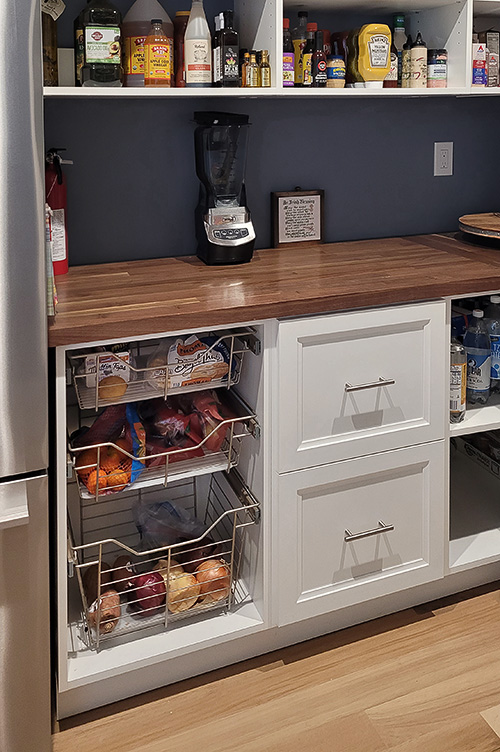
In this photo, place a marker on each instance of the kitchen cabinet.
(363, 382)
(443, 23)
(359, 529)
(365, 526)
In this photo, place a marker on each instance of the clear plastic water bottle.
(492, 318)
(478, 348)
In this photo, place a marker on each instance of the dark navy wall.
(132, 188)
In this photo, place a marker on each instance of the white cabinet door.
(356, 383)
(359, 529)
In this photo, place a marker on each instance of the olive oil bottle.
(99, 44)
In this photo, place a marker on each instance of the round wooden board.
(486, 225)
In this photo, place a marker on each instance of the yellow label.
(134, 55)
(159, 61)
(298, 46)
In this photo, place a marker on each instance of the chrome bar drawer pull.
(382, 528)
(370, 385)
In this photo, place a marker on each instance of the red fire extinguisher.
(55, 196)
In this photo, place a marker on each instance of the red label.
(97, 36)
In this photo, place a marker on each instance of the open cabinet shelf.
(474, 511)
(443, 23)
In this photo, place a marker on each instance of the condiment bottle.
(374, 45)
(327, 42)
(244, 68)
(299, 38)
(353, 77)
(391, 80)
(227, 52)
(180, 22)
(437, 64)
(307, 55)
(252, 71)
(399, 39)
(265, 69)
(418, 64)
(99, 24)
(49, 42)
(198, 48)
(318, 62)
(136, 27)
(158, 63)
(406, 63)
(335, 72)
(288, 55)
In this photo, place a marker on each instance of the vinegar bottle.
(158, 62)
(136, 27)
(198, 48)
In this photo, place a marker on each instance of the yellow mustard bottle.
(374, 56)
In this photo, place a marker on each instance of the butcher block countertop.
(130, 299)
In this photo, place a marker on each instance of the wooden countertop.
(129, 299)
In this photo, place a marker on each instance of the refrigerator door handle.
(13, 505)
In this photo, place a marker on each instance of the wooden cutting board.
(487, 225)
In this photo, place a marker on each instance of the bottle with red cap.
(307, 78)
(288, 55)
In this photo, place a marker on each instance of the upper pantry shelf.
(73, 92)
(355, 6)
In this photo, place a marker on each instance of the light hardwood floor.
(416, 680)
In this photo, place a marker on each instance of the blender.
(224, 230)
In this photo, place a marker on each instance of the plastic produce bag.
(165, 523)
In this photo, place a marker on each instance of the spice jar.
(437, 69)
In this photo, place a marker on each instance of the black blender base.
(217, 255)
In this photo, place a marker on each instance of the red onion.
(148, 592)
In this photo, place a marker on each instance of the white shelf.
(74, 92)
(475, 514)
(480, 418)
(355, 6)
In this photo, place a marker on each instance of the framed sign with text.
(297, 217)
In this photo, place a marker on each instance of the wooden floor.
(416, 680)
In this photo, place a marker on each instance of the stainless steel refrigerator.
(25, 720)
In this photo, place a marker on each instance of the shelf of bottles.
(443, 25)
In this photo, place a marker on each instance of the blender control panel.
(230, 233)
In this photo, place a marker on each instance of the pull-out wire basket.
(226, 510)
(172, 463)
(147, 382)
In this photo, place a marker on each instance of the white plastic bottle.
(198, 48)
(135, 28)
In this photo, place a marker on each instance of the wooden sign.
(297, 217)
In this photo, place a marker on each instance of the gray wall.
(132, 189)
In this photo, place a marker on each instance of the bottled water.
(492, 317)
(478, 348)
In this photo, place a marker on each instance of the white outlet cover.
(443, 158)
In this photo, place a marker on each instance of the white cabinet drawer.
(331, 406)
(332, 549)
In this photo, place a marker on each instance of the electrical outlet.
(443, 158)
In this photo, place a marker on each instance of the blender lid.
(209, 119)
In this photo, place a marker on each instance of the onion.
(148, 592)
(215, 580)
(175, 569)
(183, 592)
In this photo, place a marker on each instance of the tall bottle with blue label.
(492, 316)
(478, 348)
